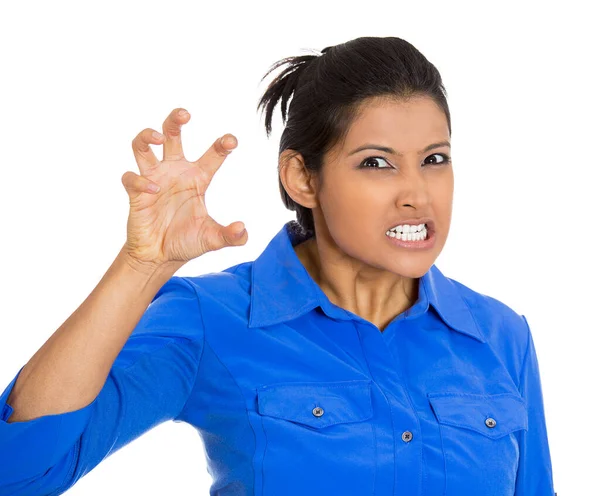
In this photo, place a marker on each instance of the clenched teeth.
(408, 232)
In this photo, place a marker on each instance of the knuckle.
(145, 138)
(171, 124)
(141, 141)
(170, 128)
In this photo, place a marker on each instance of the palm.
(174, 225)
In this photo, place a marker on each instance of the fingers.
(144, 156)
(134, 184)
(172, 149)
(214, 157)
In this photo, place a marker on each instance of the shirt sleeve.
(149, 383)
(534, 473)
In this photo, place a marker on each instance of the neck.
(373, 294)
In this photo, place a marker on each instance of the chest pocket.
(318, 435)
(479, 440)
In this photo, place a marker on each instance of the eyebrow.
(370, 146)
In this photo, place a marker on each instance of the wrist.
(148, 269)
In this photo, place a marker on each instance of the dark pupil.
(372, 161)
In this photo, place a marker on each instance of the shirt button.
(318, 411)
(407, 436)
(490, 422)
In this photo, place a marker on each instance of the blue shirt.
(294, 395)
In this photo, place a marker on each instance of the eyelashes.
(446, 160)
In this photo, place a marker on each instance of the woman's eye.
(445, 159)
(371, 163)
(381, 162)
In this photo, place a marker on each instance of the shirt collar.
(283, 290)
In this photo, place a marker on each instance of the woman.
(341, 360)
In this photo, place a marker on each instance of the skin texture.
(350, 258)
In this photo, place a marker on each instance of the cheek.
(441, 188)
(354, 212)
(442, 205)
(353, 204)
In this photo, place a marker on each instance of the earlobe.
(297, 179)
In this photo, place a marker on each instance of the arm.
(124, 362)
(534, 474)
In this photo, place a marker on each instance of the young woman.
(340, 361)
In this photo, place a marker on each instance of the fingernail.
(156, 135)
(239, 235)
(182, 113)
(154, 187)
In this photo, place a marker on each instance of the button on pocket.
(318, 411)
(317, 436)
(479, 443)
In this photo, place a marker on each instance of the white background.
(80, 80)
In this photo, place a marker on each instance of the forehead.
(405, 125)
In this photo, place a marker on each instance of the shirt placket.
(404, 442)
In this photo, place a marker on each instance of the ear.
(297, 180)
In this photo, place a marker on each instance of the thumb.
(235, 234)
(214, 236)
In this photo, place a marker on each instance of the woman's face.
(356, 206)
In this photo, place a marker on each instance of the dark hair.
(328, 91)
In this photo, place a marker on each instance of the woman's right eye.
(366, 163)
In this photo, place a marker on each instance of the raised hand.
(173, 225)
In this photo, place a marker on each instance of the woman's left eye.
(445, 158)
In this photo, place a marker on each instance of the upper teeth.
(406, 228)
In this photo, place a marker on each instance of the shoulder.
(485, 307)
(184, 305)
(229, 281)
(505, 329)
(224, 294)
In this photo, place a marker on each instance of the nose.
(412, 189)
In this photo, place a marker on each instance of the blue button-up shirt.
(294, 395)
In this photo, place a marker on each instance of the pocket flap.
(335, 402)
(493, 415)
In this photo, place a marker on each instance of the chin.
(412, 270)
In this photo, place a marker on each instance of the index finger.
(144, 156)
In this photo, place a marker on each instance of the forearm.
(70, 369)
